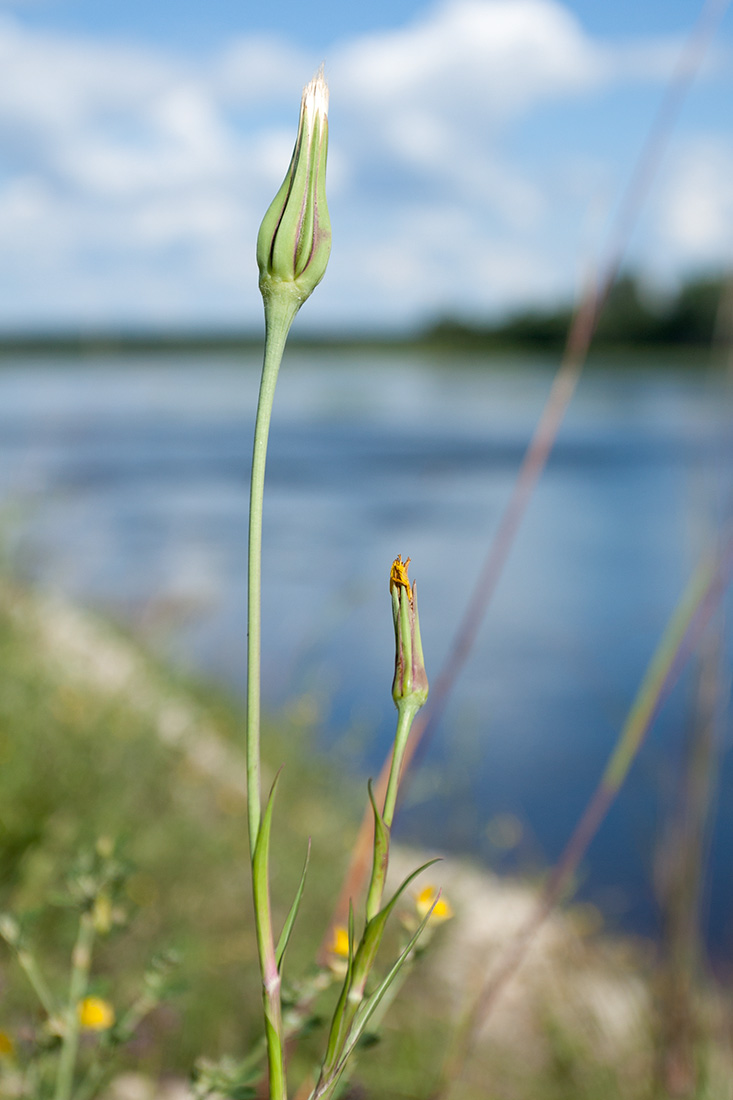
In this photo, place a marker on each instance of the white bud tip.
(315, 98)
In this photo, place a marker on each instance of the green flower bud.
(294, 241)
(410, 684)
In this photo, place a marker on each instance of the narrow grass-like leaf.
(374, 930)
(370, 1005)
(406, 882)
(282, 943)
(260, 860)
(264, 930)
(355, 983)
(380, 859)
(340, 1021)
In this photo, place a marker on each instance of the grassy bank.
(97, 740)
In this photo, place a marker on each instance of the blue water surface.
(125, 486)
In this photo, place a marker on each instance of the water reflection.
(131, 479)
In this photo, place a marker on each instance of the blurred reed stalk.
(684, 848)
(681, 866)
(687, 625)
(563, 387)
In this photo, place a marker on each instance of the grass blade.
(282, 943)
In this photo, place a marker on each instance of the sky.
(478, 152)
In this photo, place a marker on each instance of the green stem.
(30, 968)
(280, 310)
(93, 1081)
(405, 716)
(81, 963)
(279, 314)
(406, 712)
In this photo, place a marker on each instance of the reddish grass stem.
(693, 613)
(566, 379)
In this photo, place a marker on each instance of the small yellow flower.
(95, 1014)
(7, 1046)
(425, 899)
(340, 942)
(338, 948)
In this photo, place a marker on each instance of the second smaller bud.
(410, 684)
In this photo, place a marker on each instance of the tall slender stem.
(279, 314)
(30, 968)
(293, 246)
(81, 961)
(278, 321)
(405, 716)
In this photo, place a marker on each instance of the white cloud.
(53, 84)
(133, 180)
(696, 211)
(491, 59)
(259, 70)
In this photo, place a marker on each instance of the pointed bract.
(410, 683)
(294, 241)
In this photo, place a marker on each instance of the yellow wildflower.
(338, 948)
(7, 1046)
(424, 900)
(340, 942)
(95, 1014)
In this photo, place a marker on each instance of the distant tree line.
(631, 318)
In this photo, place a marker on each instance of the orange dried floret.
(398, 575)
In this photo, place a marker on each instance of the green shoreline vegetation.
(97, 739)
(632, 320)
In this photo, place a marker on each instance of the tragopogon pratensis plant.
(293, 248)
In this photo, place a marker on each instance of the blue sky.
(478, 151)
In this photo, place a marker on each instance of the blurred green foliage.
(80, 759)
(631, 318)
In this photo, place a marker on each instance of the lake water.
(125, 484)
